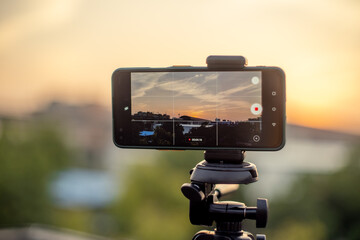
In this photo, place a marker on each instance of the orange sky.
(68, 49)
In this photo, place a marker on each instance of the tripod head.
(220, 174)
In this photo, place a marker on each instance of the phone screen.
(207, 108)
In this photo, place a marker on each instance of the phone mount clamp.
(219, 174)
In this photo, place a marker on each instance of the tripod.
(228, 168)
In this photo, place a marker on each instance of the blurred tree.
(30, 152)
(321, 206)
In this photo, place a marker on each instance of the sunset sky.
(67, 49)
(206, 95)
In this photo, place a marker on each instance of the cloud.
(196, 93)
(142, 82)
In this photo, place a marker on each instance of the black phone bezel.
(273, 80)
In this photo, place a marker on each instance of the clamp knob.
(261, 212)
(192, 192)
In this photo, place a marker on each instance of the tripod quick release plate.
(218, 173)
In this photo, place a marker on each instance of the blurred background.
(59, 170)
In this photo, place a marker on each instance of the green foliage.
(152, 206)
(294, 230)
(324, 205)
(29, 154)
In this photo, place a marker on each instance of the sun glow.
(197, 114)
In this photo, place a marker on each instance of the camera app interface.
(196, 108)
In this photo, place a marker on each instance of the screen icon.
(256, 109)
(273, 109)
(273, 93)
(256, 138)
(194, 139)
(255, 80)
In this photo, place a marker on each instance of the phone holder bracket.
(226, 62)
(223, 167)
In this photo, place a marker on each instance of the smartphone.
(199, 108)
